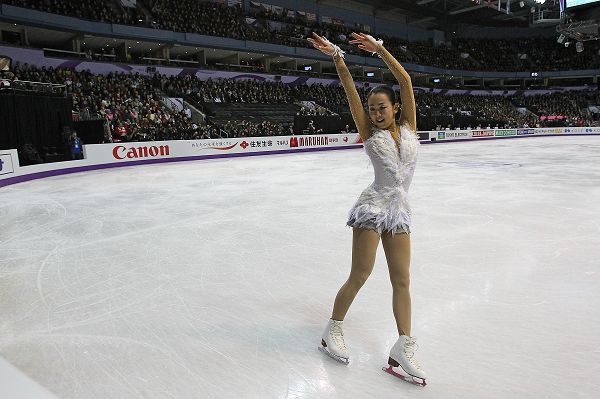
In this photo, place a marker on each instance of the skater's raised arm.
(409, 113)
(361, 119)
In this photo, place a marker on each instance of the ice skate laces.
(337, 335)
(410, 346)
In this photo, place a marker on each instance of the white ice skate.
(332, 342)
(402, 362)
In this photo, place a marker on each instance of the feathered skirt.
(383, 209)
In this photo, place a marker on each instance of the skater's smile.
(381, 110)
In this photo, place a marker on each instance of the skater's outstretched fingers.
(320, 43)
(365, 42)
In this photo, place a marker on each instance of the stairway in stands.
(277, 113)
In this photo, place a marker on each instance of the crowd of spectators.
(566, 105)
(131, 106)
(498, 109)
(204, 17)
(128, 104)
(527, 54)
(84, 9)
(216, 19)
(228, 90)
(251, 91)
(316, 111)
(247, 128)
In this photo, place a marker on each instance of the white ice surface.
(215, 279)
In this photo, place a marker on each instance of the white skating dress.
(384, 205)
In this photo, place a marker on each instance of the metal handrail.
(32, 86)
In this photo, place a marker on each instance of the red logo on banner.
(345, 139)
(483, 133)
(309, 141)
(122, 152)
(244, 144)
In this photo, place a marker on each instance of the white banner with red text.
(101, 156)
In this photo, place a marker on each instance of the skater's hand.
(321, 43)
(365, 42)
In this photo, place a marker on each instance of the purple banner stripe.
(77, 169)
(522, 136)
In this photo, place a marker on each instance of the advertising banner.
(458, 134)
(126, 152)
(483, 133)
(522, 132)
(100, 156)
(506, 132)
(571, 130)
(6, 163)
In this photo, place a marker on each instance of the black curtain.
(8, 123)
(331, 124)
(90, 132)
(33, 119)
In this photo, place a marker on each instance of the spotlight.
(579, 47)
(561, 39)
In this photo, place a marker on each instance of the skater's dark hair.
(385, 89)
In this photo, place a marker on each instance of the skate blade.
(411, 379)
(334, 357)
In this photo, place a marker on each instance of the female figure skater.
(382, 211)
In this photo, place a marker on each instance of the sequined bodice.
(393, 168)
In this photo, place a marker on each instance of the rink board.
(17, 385)
(112, 155)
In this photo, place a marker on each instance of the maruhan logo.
(122, 152)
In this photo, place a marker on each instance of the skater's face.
(381, 110)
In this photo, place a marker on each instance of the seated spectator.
(216, 19)
(130, 104)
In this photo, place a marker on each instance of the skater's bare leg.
(402, 362)
(364, 249)
(397, 253)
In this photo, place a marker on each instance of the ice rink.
(215, 279)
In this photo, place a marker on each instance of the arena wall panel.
(113, 155)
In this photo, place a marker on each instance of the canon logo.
(122, 152)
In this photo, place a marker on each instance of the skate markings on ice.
(157, 280)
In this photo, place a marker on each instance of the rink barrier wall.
(15, 384)
(114, 155)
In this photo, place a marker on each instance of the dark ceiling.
(444, 14)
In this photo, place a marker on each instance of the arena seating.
(132, 108)
(213, 19)
(103, 11)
